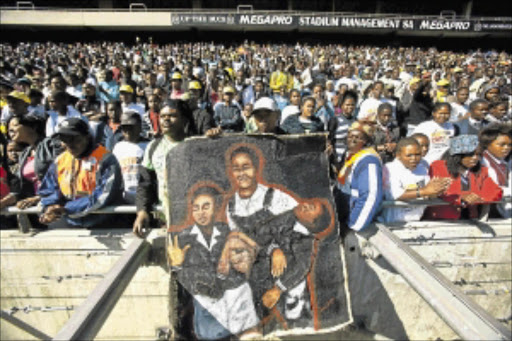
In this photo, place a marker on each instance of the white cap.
(265, 103)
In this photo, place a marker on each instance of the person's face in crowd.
(109, 75)
(396, 73)
(126, 97)
(489, 72)
(462, 96)
(308, 109)
(384, 116)
(308, 211)
(280, 66)
(265, 120)
(470, 160)
(75, 144)
(356, 140)
(56, 103)
(151, 79)
(247, 111)
(499, 111)
(441, 115)
(443, 89)
(377, 90)
(17, 106)
(176, 84)
(318, 92)
(295, 98)
(500, 147)
(113, 112)
(203, 209)
(424, 144)
(493, 95)
(258, 87)
(330, 86)
(131, 132)
(172, 121)
(228, 97)
(154, 103)
(479, 73)
(348, 106)
(465, 82)
(89, 90)
(244, 172)
(410, 156)
(480, 111)
(14, 151)
(58, 84)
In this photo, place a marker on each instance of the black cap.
(73, 127)
(130, 118)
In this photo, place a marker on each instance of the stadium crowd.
(88, 125)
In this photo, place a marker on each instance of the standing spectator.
(406, 178)
(129, 153)
(127, 96)
(59, 111)
(478, 110)
(17, 105)
(227, 114)
(306, 122)
(152, 117)
(293, 107)
(96, 179)
(280, 78)
(386, 134)
(176, 86)
(339, 125)
(459, 106)
(424, 143)
(109, 90)
(368, 108)
(421, 106)
(471, 184)
(439, 131)
(152, 187)
(360, 180)
(497, 112)
(496, 140)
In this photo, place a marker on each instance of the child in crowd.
(497, 112)
(386, 134)
(478, 110)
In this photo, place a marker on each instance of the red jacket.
(480, 184)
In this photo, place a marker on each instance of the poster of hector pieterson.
(253, 241)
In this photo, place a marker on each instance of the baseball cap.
(443, 82)
(73, 126)
(414, 80)
(194, 85)
(463, 144)
(176, 76)
(228, 89)
(126, 88)
(457, 69)
(130, 117)
(264, 103)
(24, 80)
(19, 95)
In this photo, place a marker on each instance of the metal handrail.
(138, 6)
(130, 209)
(262, 12)
(29, 3)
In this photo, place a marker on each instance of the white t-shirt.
(397, 179)
(439, 136)
(129, 155)
(134, 106)
(505, 209)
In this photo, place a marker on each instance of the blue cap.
(463, 144)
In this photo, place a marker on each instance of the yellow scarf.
(347, 166)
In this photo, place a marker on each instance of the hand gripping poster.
(253, 241)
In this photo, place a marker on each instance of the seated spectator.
(59, 111)
(406, 178)
(496, 141)
(96, 182)
(13, 151)
(323, 109)
(438, 130)
(471, 184)
(459, 106)
(227, 115)
(497, 112)
(360, 179)
(129, 152)
(478, 110)
(281, 98)
(293, 107)
(202, 120)
(306, 122)
(386, 133)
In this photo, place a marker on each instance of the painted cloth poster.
(253, 239)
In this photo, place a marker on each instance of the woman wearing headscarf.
(360, 180)
(471, 184)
